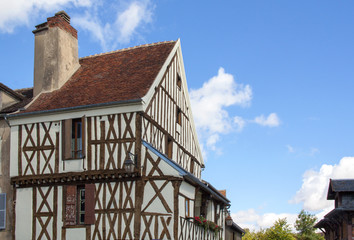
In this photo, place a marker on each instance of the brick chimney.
(55, 53)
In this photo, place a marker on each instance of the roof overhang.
(134, 105)
(188, 176)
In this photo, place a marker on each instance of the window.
(179, 81)
(187, 204)
(169, 146)
(73, 138)
(2, 210)
(179, 116)
(80, 204)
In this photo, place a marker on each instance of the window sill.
(76, 226)
(69, 159)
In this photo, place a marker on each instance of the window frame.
(68, 125)
(187, 208)
(179, 116)
(72, 205)
(169, 147)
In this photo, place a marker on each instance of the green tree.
(304, 226)
(280, 231)
(253, 235)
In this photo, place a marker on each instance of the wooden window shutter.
(89, 203)
(83, 131)
(2, 210)
(70, 205)
(66, 139)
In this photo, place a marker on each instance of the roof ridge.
(21, 89)
(127, 49)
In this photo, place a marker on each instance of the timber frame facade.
(70, 144)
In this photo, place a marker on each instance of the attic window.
(179, 81)
(179, 116)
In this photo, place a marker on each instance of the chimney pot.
(64, 15)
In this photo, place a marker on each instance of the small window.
(79, 204)
(2, 210)
(179, 81)
(169, 147)
(76, 139)
(187, 204)
(73, 138)
(179, 116)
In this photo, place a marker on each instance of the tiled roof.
(121, 75)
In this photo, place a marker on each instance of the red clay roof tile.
(125, 74)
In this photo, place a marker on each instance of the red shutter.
(89, 203)
(70, 205)
(66, 138)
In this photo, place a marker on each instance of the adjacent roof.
(339, 185)
(24, 96)
(331, 217)
(237, 228)
(121, 75)
(188, 176)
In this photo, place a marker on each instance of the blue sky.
(272, 82)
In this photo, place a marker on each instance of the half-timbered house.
(108, 148)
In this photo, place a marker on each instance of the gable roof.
(121, 75)
(339, 185)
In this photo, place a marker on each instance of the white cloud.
(254, 221)
(313, 192)
(314, 151)
(128, 21)
(210, 101)
(24, 12)
(129, 17)
(290, 148)
(271, 121)
(240, 123)
(122, 30)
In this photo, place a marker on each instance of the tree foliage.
(281, 230)
(304, 226)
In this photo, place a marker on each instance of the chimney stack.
(55, 54)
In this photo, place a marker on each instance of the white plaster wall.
(156, 206)
(187, 190)
(60, 211)
(165, 167)
(23, 213)
(181, 207)
(14, 151)
(75, 234)
(75, 165)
